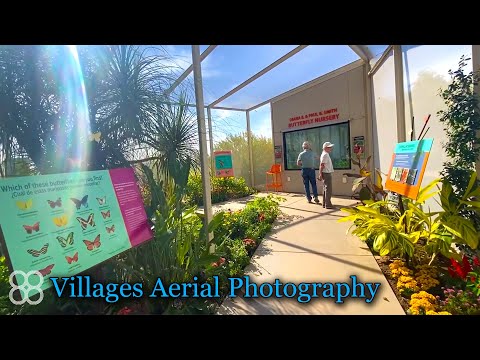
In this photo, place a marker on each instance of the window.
(338, 134)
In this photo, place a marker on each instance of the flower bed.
(435, 290)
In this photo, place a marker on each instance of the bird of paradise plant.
(363, 187)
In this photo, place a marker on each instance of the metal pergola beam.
(260, 73)
(380, 61)
(362, 51)
(225, 108)
(188, 71)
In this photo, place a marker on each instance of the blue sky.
(229, 65)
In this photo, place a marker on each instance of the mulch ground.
(383, 263)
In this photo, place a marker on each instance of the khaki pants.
(327, 189)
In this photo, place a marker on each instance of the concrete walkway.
(309, 245)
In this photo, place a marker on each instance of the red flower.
(219, 262)
(466, 265)
(476, 261)
(261, 217)
(473, 278)
(460, 270)
(457, 269)
(249, 242)
(124, 311)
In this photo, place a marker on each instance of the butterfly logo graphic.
(106, 214)
(90, 221)
(91, 245)
(72, 259)
(60, 221)
(95, 136)
(54, 204)
(80, 203)
(65, 242)
(24, 205)
(46, 271)
(35, 227)
(37, 253)
(110, 229)
(102, 201)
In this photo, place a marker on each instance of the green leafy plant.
(222, 189)
(462, 124)
(395, 233)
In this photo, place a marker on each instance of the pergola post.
(250, 150)
(475, 68)
(210, 138)
(202, 138)
(399, 93)
(369, 148)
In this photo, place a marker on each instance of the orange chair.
(275, 175)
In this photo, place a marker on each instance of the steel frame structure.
(363, 53)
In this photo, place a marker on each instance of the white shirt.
(325, 159)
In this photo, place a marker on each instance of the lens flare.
(73, 128)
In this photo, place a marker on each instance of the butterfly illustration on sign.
(53, 204)
(65, 242)
(106, 214)
(72, 259)
(95, 136)
(25, 205)
(37, 253)
(60, 221)
(102, 201)
(84, 223)
(110, 229)
(30, 228)
(80, 203)
(91, 245)
(47, 271)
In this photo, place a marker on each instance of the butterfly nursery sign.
(63, 224)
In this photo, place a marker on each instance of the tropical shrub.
(396, 233)
(363, 186)
(222, 189)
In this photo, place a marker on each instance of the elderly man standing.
(306, 159)
(325, 174)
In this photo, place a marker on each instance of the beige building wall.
(343, 90)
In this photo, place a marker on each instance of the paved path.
(309, 245)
